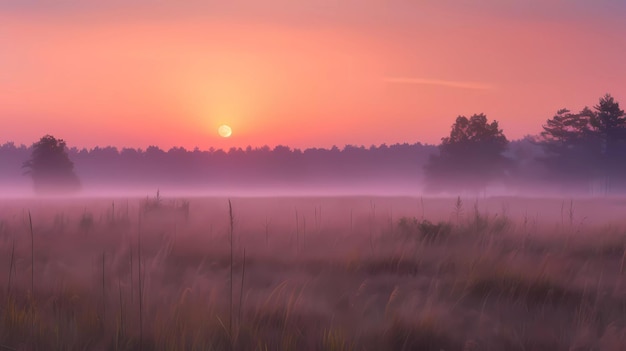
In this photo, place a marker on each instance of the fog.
(395, 170)
(335, 190)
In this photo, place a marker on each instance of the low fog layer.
(379, 170)
(337, 211)
(252, 172)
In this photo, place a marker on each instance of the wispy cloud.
(439, 82)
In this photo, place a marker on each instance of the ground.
(343, 273)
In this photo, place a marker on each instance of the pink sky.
(297, 73)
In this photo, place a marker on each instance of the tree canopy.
(50, 166)
(586, 145)
(470, 158)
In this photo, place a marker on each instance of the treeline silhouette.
(583, 153)
(244, 168)
(576, 153)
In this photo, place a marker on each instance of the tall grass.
(139, 280)
(297, 233)
(121, 317)
(11, 267)
(104, 301)
(230, 306)
(463, 283)
(32, 276)
(243, 275)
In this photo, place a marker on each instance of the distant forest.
(237, 168)
(397, 168)
(578, 153)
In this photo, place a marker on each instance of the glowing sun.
(224, 131)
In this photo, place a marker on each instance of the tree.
(609, 122)
(587, 145)
(470, 158)
(571, 147)
(50, 167)
(565, 129)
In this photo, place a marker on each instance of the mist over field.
(312, 273)
(379, 170)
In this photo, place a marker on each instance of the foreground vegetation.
(344, 274)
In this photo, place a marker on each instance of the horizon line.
(244, 148)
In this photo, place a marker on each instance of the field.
(345, 273)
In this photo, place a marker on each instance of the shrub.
(424, 230)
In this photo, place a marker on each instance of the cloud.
(439, 82)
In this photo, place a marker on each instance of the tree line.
(583, 152)
(248, 167)
(577, 152)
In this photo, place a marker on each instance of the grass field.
(345, 273)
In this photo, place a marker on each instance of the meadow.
(317, 273)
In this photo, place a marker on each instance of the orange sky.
(299, 73)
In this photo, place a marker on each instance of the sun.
(224, 131)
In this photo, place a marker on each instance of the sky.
(305, 74)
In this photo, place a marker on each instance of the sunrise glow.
(304, 74)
